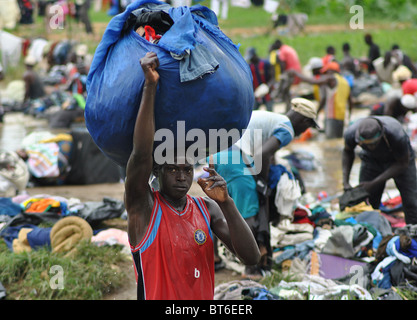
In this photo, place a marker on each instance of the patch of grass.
(87, 275)
(315, 44)
(276, 277)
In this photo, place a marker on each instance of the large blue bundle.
(216, 94)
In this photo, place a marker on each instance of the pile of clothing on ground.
(22, 220)
(328, 253)
(44, 158)
(62, 67)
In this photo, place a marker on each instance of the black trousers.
(260, 228)
(82, 12)
(406, 182)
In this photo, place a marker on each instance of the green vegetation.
(327, 28)
(314, 44)
(87, 275)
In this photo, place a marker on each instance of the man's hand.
(149, 63)
(347, 186)
(214, 185)
(368, 186)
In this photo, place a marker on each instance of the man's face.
(176, 179)
(370, 146)
(316, 71)
(302, 124)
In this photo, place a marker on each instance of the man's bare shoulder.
(213, 208)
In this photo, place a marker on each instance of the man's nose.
(180, 175)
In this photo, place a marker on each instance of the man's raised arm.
(138, 196)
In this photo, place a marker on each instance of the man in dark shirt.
(373, 52)
(386, 153)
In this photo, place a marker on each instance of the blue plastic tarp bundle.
(215, 93)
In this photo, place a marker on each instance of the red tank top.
(175, 259)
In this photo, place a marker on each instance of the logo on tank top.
(200, 236)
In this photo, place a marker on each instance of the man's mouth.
(180, 187)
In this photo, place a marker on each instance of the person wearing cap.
(82, 55)
(263, 75)
(386, 153)
(330, 55)
(34, 87)
(314, 65)
(277, 131)
(335, 97)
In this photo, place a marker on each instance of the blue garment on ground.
(385, 282)
(411, 252)
(39, 237)
(376, 239)
(222, 99)
(300, 250)
(8, 207)
(10, 233)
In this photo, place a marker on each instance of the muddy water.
(328, 159)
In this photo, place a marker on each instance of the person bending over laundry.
(277, 131)
(386, 153)
(169, 231)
